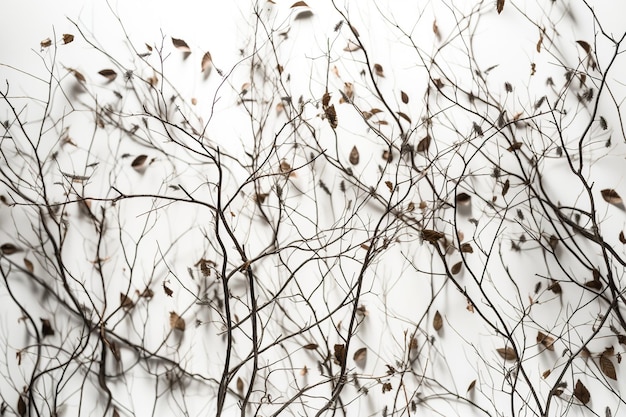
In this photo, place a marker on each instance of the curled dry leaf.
(424, 144)
(437, 321)
(456, 268)
(176, 321)
(181, 45)
(360, 357)
(404, 97)
(352, 46)
(404, 116)
(378, 69)
(500, 5)
(585, 45)
(21, 406)
(354, 156)
(611, 196)
(125, 302)
(109, 74)
(463, 199)
(168, 291)
(331, 115)
(581, 392)
(207, 61)
(239, 384)
(310, 346)
(467, 248)
(507, 353)
(67, 38)
(9, 249)
(471, 386)
(545, 340)
(607, 366)
(45, 43)
(138, 162)
(622, 238)
(29, 265)
(46, 328)
(432, 236)
(299, 4)
(340, 354)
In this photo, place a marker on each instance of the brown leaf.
(46, 328)
(325, 99)
(546, 341)
(423, 144)
(515, 146)
(331, 115)
(611, 196)
(463, 199)
(471, 386)
(340, 354)
(67, 38)
(456, 268)
(539, 42)
(78, 75)
(360, 357)
(181, 45)
(581, 392)
(389, 185)
(505, 187)
(378, 69)
(167, 290)
(546, 373)
(45, 43)
(177, 322)
(432, 236)
(404, 116)
(298, 4)
(555, 287)
(404, 97)
(311, 346)
(138, 162)
(467, 248)
(436, 30)
(594, 284)
(9, 249)
(585, 46)
(437, 321)
(239, 384)
(500, 5)
(125, 302)
(21, 406)
(207, 61)
(29, 265)
(622, 238)
(354, 156)
(109, 74)
(507, 353)
(607, 366)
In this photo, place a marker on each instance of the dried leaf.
(325, 99)
(585, 46)
(555, 287)
(239, 384)
(507, 353)
(389, 185)
(181, 45)
(45, 43)
(432, 236)
(109, 74)
(378, 69)
(456, 268)
(467, 248)
(546, 373)
(505, 187)
(311, 346)
(515, 146)
(404, 97)
(29, 265)
(138, 162)
(404, 116)
(167, 290)
(78, 75)
(607, 366)
(500, 6)
(177, 322)
(340, 354)
(471, 386)
(360, 357)
(299, 4)
(67, 38)
(437, 321)
(331, 115)
(207, 62)
(354, 156)
(622, 238)
(46, 328)
(463, 199)
(9, 249)
(581, 392)
(21, 406)
(594, 284)
(424, 144)
(352, 46)
(125, 302)
(611, 196)
(508, 87)
(546, 341)
(436, 30)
